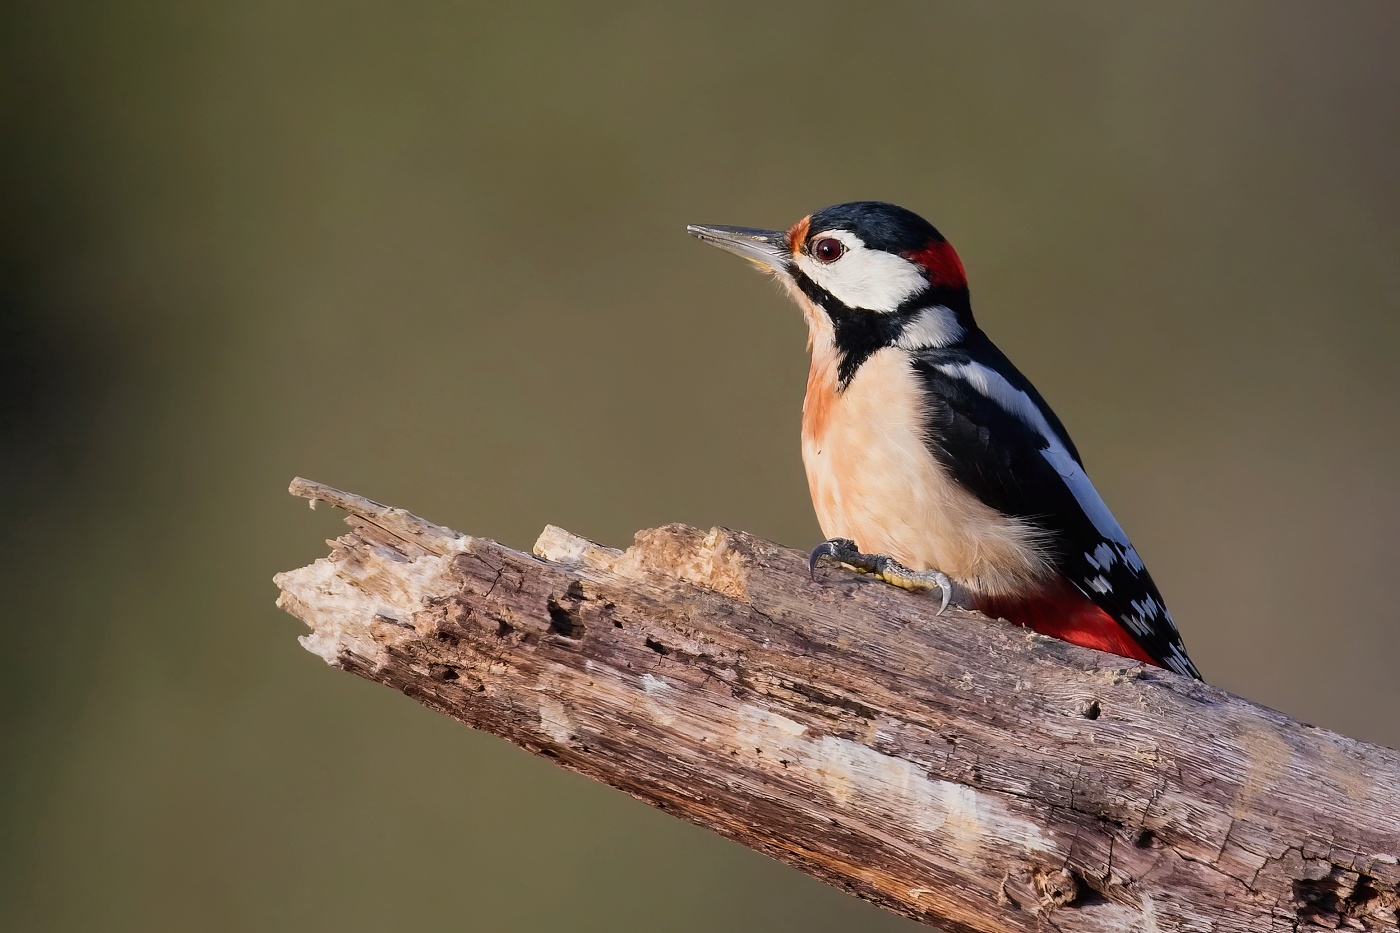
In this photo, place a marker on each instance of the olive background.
(435, 253)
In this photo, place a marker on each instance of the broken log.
(954, 769)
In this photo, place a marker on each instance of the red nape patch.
(1063, 612)
(940, 260)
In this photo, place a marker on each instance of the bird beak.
(764, 247)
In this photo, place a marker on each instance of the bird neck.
(938, 319)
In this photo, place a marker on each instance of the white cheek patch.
(863, 278)
(930, 328)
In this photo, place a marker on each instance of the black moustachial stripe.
(891, 229)
(859, 333)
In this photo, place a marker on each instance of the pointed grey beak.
(765, 247)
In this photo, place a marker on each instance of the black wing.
(991, 428)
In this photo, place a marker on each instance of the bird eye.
(828, 249)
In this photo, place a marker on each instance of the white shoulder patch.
(929, 329)
(995, 387)
(1114, 558)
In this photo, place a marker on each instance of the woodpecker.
(932, 462)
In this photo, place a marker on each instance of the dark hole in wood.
(1335, 901)
(449, 675)
(1092, 710)
(503, 628)
(1144, 839)
(658, 647)
(562, 620)
(1057, 888)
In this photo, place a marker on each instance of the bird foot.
(887, 569)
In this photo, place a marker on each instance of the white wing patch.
(994, 386)
(1149, 616)
(867, 279)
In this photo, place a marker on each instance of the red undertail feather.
(1062, 612)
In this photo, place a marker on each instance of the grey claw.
(830, 548)
(945, 586)
(884, 568)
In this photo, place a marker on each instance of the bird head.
(865, 256)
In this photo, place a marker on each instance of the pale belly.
(874, 481)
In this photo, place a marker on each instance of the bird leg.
(887, 569)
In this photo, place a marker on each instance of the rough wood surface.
(954, 769)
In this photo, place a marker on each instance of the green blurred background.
(434, 253)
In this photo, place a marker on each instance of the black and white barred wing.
(995, 433)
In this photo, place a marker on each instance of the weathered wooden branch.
(954, 769)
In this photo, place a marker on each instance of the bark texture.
(955, 769)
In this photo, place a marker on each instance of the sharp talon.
(832, 548)
(946, 587)
(884, 568)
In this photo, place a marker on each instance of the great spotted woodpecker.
(927, 447)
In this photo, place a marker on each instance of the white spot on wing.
(1130, 555)
(1147, 607)
(1180, 662)
(1100, 585)
(1136, 624)
(868, 279)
